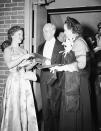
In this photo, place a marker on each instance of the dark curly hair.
(99, 25)
(5, 44)
(74, 25)
(12, 30)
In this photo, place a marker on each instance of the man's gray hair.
(49, 26)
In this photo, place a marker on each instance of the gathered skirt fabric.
(18, 105)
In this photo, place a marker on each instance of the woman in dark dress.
(75, 111)
(98, 85)
(97, 52)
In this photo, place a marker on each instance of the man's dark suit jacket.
(51, 89)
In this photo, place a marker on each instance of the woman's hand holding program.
(69, 67)
(55, 68)
(27, 56)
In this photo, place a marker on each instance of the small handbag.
(29, 75)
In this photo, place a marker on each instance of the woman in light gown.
(19, 112)
(75, 110)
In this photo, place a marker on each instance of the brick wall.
(11, 13)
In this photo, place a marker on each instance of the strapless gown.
(19, 112)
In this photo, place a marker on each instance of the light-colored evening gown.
(19, 112)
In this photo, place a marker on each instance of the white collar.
(51, 41)
(48, 48)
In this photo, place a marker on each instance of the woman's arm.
(81, 61)
(69, 67)
(13, 62)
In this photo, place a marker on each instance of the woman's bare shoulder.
(7, 54)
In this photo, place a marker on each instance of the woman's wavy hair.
(12, 30)
(74, 25)
(5, 44)
(99, 25)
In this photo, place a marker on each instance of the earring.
(73, 38)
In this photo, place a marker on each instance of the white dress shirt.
(48, 48)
